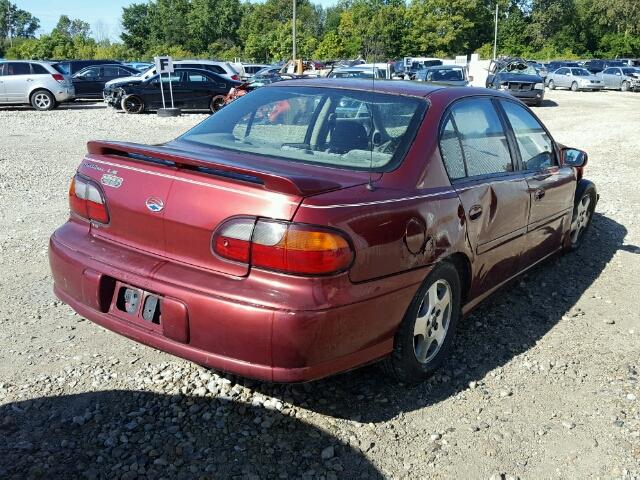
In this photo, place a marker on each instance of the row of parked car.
(45, 85)
(209, 85)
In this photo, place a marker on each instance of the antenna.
(370, 186)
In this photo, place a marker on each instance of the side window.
(110, 71)
(561, 71)
(38, 69)
(451, 151)
(535, 146)
(16, 68)
(197, 78)
(216, 69)
(93, 72)
(483, 139)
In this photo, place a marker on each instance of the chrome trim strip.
(380, 202)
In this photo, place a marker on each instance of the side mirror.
(573, 157)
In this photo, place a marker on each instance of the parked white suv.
(222, 68)
(37, 83)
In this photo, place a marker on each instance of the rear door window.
(483, 139)
(17, 68)
(110, 71)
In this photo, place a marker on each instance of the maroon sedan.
(311, 227)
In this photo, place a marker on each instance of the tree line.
(376, 30)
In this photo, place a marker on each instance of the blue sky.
(102, 15)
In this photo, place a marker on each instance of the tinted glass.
(334, 127)
(91, 72)
(38, 69)
(562, 71)
(535, 146)
(629, 71)
(58, 68)
(110, 71)
(197, 78)
(15, 68)
(451, 151)
(445, 74)
(483, 139)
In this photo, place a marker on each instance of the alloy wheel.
(432, 322)
(581, 219)
(42, 101)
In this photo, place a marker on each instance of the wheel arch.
(463, 265)
(38, 88)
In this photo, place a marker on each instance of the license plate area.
(133, 303)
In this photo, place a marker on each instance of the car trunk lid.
(168, 201)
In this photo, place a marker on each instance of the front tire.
(132, 104)
(583, 209)
(43, 100)
(574, 87)
(625, 86)
(425, 335)
(552, 85)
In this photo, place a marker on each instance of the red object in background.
(305, 270)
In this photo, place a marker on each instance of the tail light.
(58, 77)
(235, 77)
(287, 247)
(87, 200)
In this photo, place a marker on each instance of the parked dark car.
(450, 75)
(292, 246)
(71, 67)
(597, 66)
(193, 89)
(90, 81)
(518, 78)
(556, 64)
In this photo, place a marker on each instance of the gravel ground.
(543, 382)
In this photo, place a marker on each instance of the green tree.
(210, 21)
(136, 26)
(440, 27)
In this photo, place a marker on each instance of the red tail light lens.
(283, 246)
(87, 200)
(58, 77)
(235, 77)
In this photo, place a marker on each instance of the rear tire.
(574, 87)
(217, 102)
(552, 85)
(426, 333)
(43, 100)
(132, 104)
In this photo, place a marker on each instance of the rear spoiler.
(293, 184)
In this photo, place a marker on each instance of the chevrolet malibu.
(314, 226)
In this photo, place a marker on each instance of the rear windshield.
(62, 68)
(350, 129)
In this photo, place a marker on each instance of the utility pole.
(294, 31)
(495, 35)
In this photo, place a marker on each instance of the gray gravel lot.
(543, 383)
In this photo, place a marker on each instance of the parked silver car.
(621, 78)
(39, 84)
(574, 78)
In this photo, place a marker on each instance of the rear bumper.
(65, 94)
(322, 326)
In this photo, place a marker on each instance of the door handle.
(539, 194)
(29, 79)
(475, 212)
